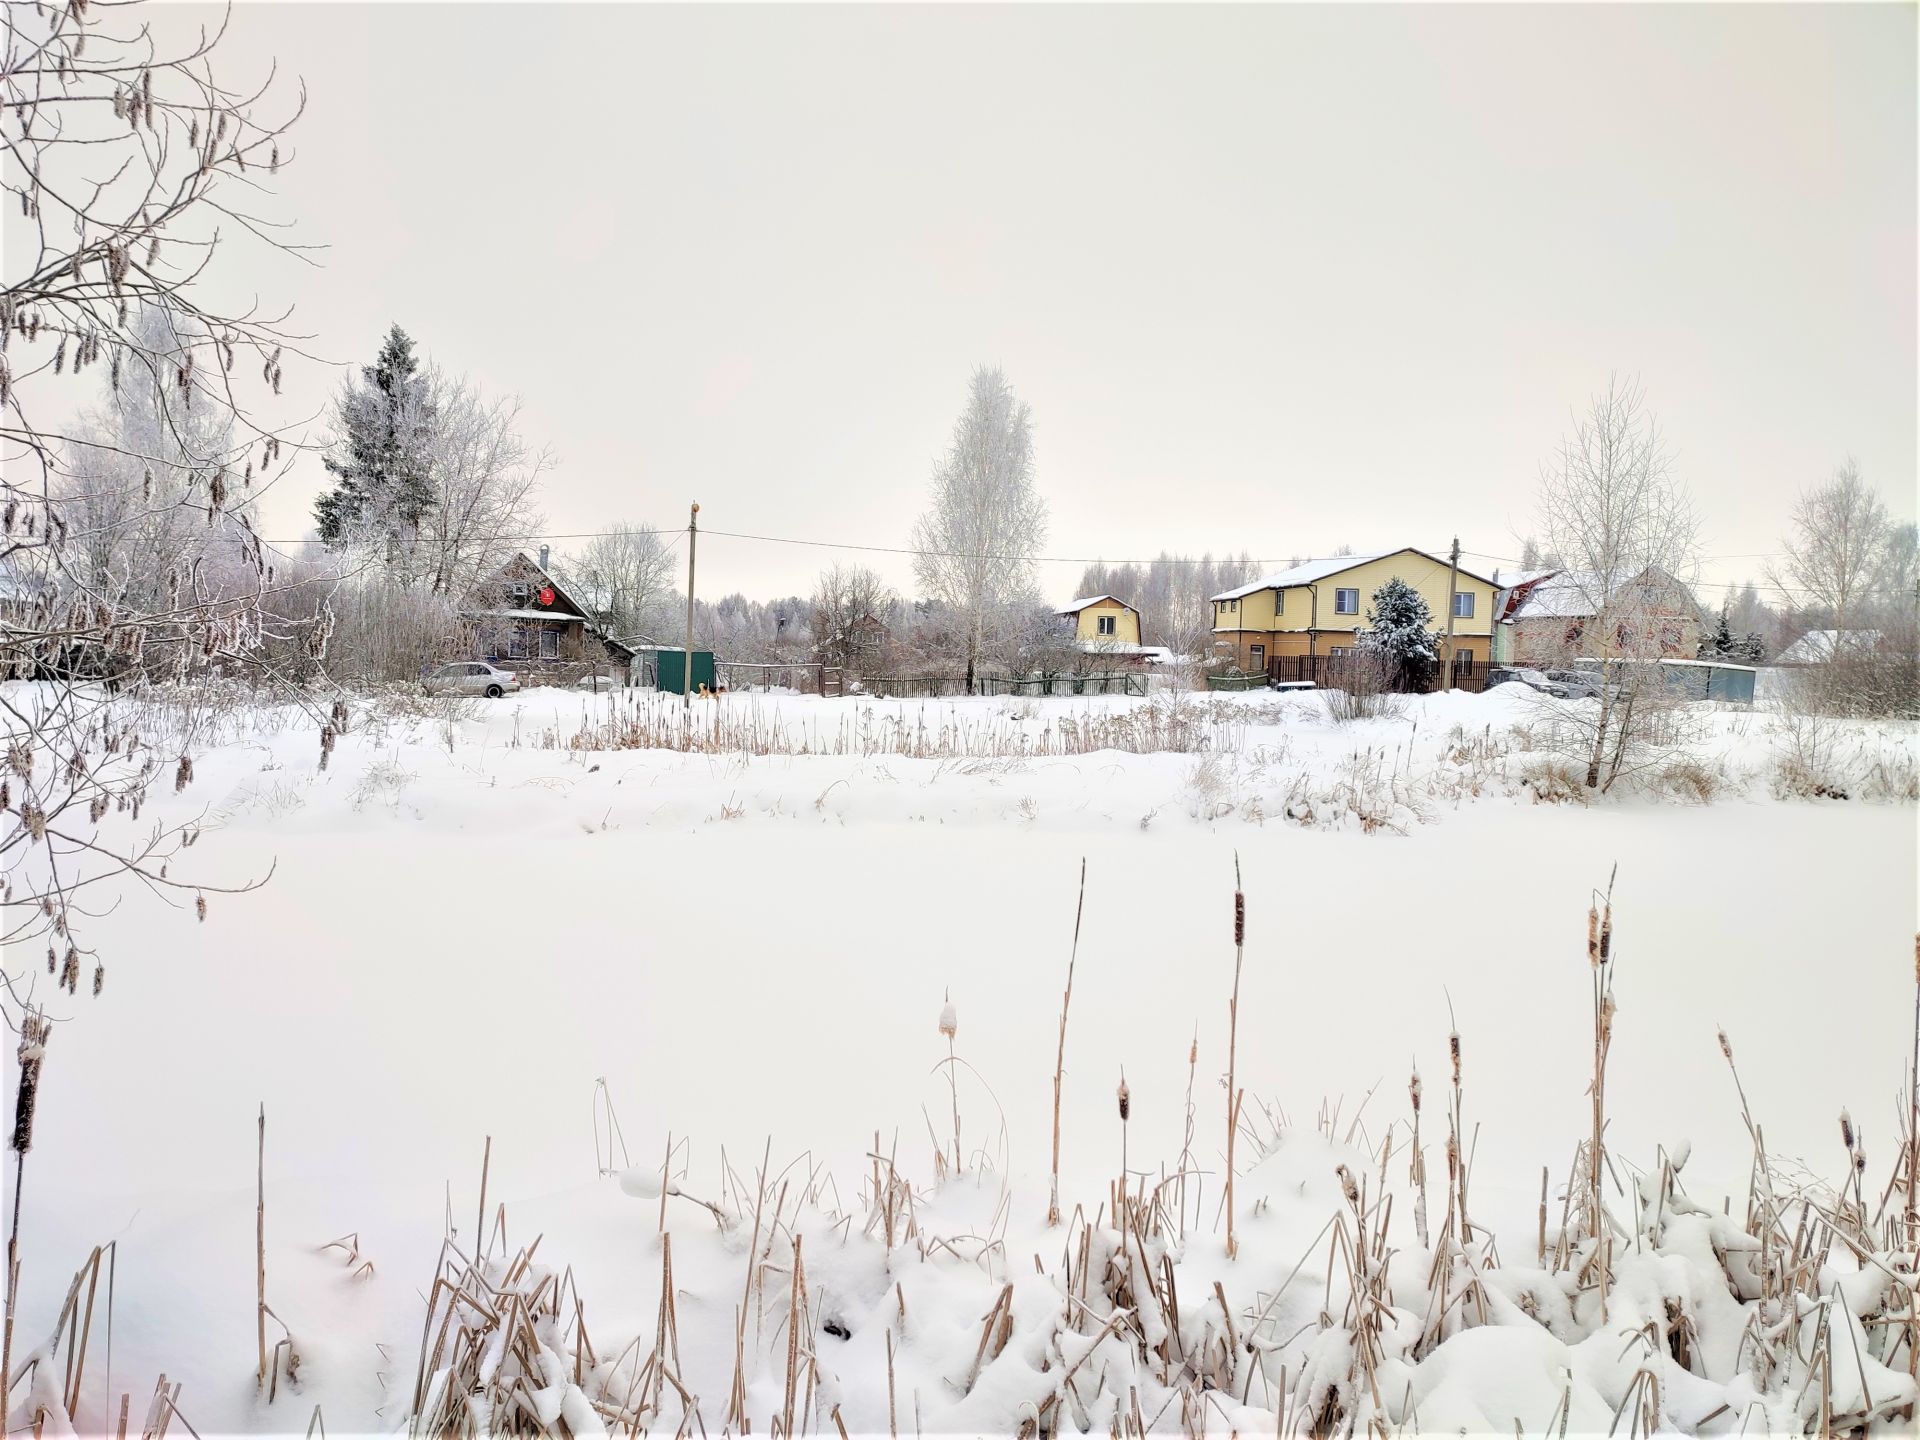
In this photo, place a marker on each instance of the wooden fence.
(1338, 672)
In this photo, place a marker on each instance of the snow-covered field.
(477, 914)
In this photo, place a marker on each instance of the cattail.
(1347, 1186)
(1453, 1050)
(1593, 936)
(949, 1020)
(1413, 1089)
(35, 1029)
(1846, 1131)
(1239, 918)
(99, 979)
(1124, 1096)
(200, 906)
(183, 774)
(1726, 1045)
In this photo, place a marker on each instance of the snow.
(1817, 646)
(1074, 607)
(1311, 570)
(473, 917)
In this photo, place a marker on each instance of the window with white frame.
(517, 643)
(1107, 624)
(1463, 604)
(1346, 602)
(549, 644)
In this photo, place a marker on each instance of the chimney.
(543, 557)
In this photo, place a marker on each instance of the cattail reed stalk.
(1913, 1135)
(480, 1221)
(260, 1251)
(1599, 960)
(35, 1030)
(1060, 1056)
(1233, 1038)
(949, 1027)
(1125, 1099)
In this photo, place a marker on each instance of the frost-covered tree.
(134, 498)
(1173, 594)
(482, 479)
(134, 169)
(1837, 547)
(379, 460)
(1400, 633)
(626, 575)
(851, 610)
(976, 544)
(1620, 524)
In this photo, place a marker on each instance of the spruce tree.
(382, 486)
(1400, 630)
(1720, 645)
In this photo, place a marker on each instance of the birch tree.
(1621, 524)
(626, 574)
(1837, 547)
(483, 478)
(977, 542)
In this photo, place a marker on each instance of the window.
(1279, 600)
(517, 642)
(519, 593)
(549, 644)
(1346, 602)
(1463, 604)
(1339, 651)
(1257, 657)
(1106, 624)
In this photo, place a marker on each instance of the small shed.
(669, 670)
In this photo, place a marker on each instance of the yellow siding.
(1299, 610)
(1126, 624)
(1249, 612)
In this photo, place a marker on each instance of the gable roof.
(1571, 594)
(1074, 607)
(1310, 571)
(575, 610)
(1817, 646)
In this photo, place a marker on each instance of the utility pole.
(1453, 580)
(686, 667)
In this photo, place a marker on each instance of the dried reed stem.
(260, 1252)
(1233, 1040)
(1060, 1056)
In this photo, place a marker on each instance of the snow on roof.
(1579, 594)
(1819, 645)
(533, 615)
(1074, 607)
(1569, 594)
(1311, 570)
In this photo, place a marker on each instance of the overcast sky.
(1277, 278)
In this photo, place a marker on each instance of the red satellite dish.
(546, 594)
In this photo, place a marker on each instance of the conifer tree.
(381, 458)
(1400, 631)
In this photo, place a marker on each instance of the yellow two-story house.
(1102, 621)
(1318, 609)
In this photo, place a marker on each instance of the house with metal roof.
(1319, 607)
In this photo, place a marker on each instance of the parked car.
(471, 677)
(598, 681)
(1560, 684)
